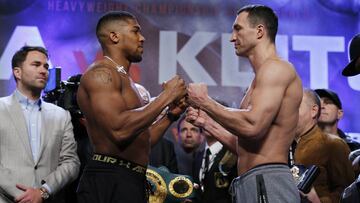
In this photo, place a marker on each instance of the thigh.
(280, 187)
(110, 188)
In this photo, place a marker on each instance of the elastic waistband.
(269, 164)
(120, 162)
(269, 167)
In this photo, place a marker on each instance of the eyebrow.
(236, 26)
(137, 27)
(39, 62)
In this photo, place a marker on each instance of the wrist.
(208, 125)
(171, 116)
(205, 104)
(44, 193)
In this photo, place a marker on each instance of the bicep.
(268, 95)
(104, 97)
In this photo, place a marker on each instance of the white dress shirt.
(214, 149)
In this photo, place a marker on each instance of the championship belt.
(167, 187)
(305, 177)
(297, 171)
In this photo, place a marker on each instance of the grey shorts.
(268, 183)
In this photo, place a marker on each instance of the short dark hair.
(20, 56)
(262, 14)
(112, 16)
(182, 119)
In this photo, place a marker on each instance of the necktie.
(207, 160)
(206, 167)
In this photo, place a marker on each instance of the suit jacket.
(58, 163)
(213, 192)
(163, 154)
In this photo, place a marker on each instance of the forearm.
(158, 129)
(68, 165)
(7, 184)
(132, 123)
(222, 135)
(62, 175)
(233, 120)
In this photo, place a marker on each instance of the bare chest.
(131, 95)
(246, 101)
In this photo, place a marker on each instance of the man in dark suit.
(214, 169)
(190, 141)
(163, 154)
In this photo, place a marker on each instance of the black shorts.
(108, 182)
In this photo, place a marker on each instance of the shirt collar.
(214, 148)
(23, 100)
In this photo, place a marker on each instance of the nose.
(233, 37)
(142, 38)
(43, 70)
(322, 104)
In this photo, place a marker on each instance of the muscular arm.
(200, 119)
(158, 129)
(120, 118)
(222, 135)
(267, 95)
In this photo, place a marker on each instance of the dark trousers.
(109, 183)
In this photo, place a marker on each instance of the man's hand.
(175, 87)
(197, 94)
(177, 108)
(312, 196)
(30, 194)
(196, 116)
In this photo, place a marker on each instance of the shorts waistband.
(120, 162)
(269, 164)
(270, 167)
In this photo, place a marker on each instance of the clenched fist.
(196, 116)
(175, 87)
(197, 94)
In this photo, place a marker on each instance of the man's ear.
(340, 114)
(314, 111)
(260, 31)
(17, 72)
(114, 37)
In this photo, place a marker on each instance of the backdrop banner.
(192, 39)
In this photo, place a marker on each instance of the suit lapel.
(18, 119)
(217, 159)
(197, 165)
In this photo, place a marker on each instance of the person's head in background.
(30, 69)
(331, 111)
(189, 136)
(309, 112)
(353, 67)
